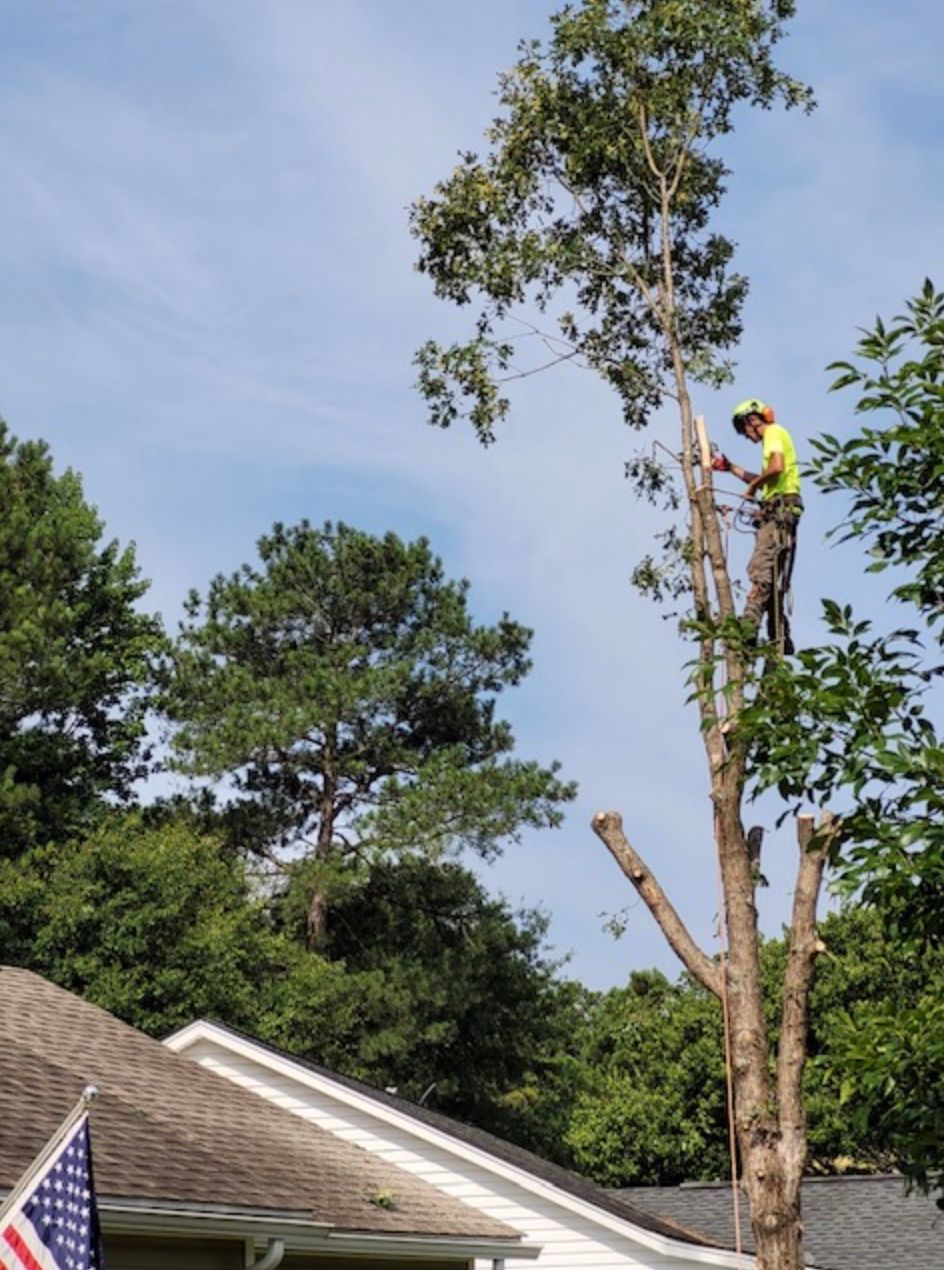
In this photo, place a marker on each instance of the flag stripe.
(18, 1244)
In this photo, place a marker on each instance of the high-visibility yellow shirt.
(777, 440)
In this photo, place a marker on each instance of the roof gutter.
(294, 1231)
(498, 1250)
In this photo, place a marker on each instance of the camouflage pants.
(771, 565)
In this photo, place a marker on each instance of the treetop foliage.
(602, 148)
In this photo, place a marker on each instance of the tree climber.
(777, 487)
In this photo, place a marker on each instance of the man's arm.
(772, 470)
(742, 473)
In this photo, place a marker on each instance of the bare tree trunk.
(770, 1124)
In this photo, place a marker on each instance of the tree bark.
(317, 934)
(770, 1122)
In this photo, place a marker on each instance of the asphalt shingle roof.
(165, 1129)
(610, 1201)
(850, 1223)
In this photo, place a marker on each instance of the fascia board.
(202, 1031)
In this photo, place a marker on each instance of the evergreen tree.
(346, 695)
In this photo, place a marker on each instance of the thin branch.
(536, 370)
(608, 826)
(654, 168)
(576, 352)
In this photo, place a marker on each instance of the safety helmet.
(744, 410)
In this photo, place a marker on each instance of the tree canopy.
(349, 698)
(75, 653)
(598, 162)
(427, 985)
(469, 1013)
(649, 1105)
(154, 923)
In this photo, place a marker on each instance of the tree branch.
(608, 826)
(803, 948)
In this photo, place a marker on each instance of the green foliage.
(894, 470)
(600, 157)
(651, 1106)
(344, 691)
(854, 724)
(428, 985)
(468, 1011)
(877, 1049)
(74, 653)
(892, 1060)
(151, 923)
(650, 1099)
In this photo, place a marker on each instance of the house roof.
(165, 1130)
(851, 1223)
(671, 1226)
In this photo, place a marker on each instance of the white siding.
(570, 1240)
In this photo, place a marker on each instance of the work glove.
(720, 463)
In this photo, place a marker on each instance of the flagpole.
(89, 1094)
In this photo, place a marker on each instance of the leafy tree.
(878, 1049)
(651, 1103)
(154, 923)
(650, 1106)
(863, 732)
(74, 653)
(428, 985)
(595, 197)
(345, 693)
(471, 1019)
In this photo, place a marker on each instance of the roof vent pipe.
(271, 1258)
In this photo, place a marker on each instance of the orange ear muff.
(768, 414)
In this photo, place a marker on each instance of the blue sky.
(209, 309)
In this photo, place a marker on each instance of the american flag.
(52, 1222)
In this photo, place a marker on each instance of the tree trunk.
(317, 935)
(317, 919)
(769, 1119)
(776, 1224)
(770, 1125)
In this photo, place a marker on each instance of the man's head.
(751, 417)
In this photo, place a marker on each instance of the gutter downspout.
(271, 1258)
